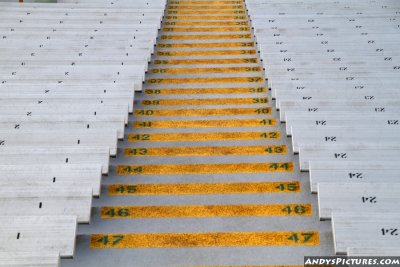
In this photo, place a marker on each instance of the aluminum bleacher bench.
(329, 95)
(295, 119)
(363, 229)
(56, 155)
(356, 197)
(47, 123)
(367, 171)
(42, 200)
(342, 136)
(339, 85)
(33, 259)
(38, 233)
(340, 106)
(53, 94)
(348, 152)
(60, 138)
(93, 110)
(59, 175)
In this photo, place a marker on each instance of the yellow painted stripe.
(199, 91)
(133, 212)
(259, 266)
(205, 168)
(205, 37)
(206, 61)
(203, 151)
(256, 79)
(169, 137)
(204, 7)
(205, 101)
(208, 2)
(204, 188)
(234, 18)
(206, 45)
(203, 70)
(207, 12)
(202, 112)
(204, 123)
(206, 23)
(206, 53)
(212, 239)
(203, 29)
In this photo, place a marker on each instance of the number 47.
(110, 240)
(304, 237)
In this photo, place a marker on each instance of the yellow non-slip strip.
(206, 61)
(199, 91)
(233, 18)
(203, 70)
(205, 37)
(206, 23)
(206, 45)
(132, 212)
(170, 137)
(204, 123)
(207, 53)
(205, 168)
(212, 239)
(203, 151)
(203, 7)
(202, 112)
(207, 12)
(206, 2)
(204, 101)
(257, 266)
(204, 188)
(256, 79)
(213, 29)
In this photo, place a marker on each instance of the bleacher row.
(68, 72)
(334, 70)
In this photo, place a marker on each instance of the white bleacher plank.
(42, 201)
(365, 230)
(123, 83)
(342, 136)
(51, 94)
(47, 175)
(43, 233)
(365, 197)
(350, 152)
(338, 85)
(63, 123)
(327, 119)
(93, 110)
(368, 171)
(43, 139)
(29, 259)
(55, 155)
(373, 104)
(373, 251)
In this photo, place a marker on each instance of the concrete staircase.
(205, 175)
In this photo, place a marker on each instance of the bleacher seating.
(333, 68)
(68, 71)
